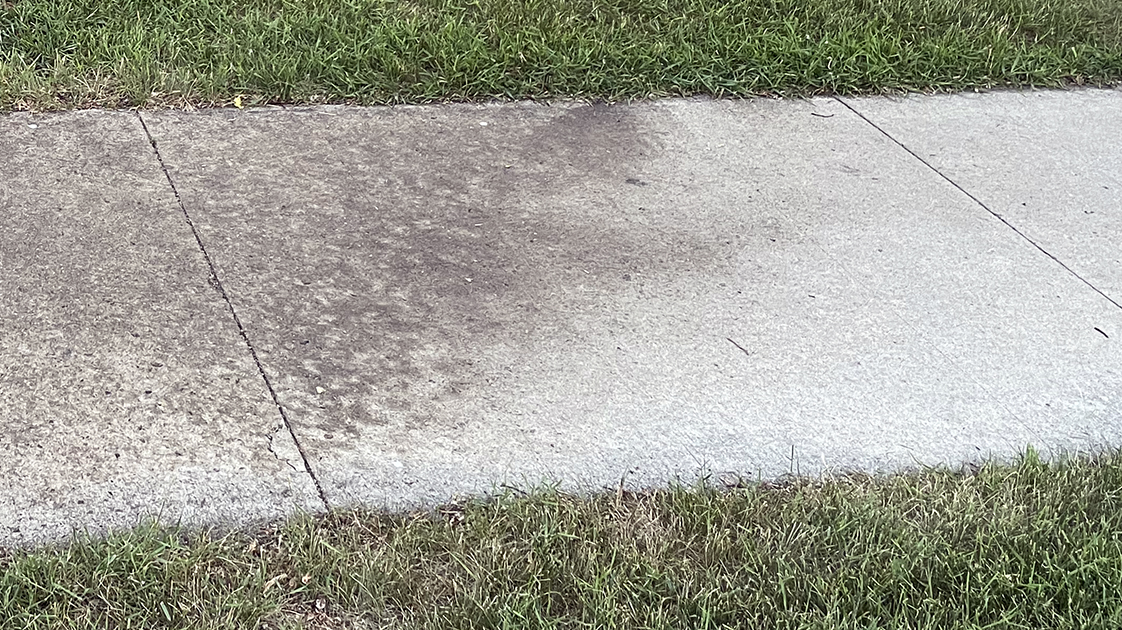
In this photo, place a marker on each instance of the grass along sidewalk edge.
(60, 54)
(1027, 544)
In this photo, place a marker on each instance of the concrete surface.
(448, 298)
(1048, 162)
(125, 387)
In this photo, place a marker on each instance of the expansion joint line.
(237, 321)
(980, 203)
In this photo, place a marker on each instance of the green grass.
(1027, 545)
(77, 53)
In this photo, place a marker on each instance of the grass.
(1025, 545)
(57, 54)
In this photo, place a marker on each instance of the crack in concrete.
(216, 282)
(980, 203)
(272, 434)
(899, 316)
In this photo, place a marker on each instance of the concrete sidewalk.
(223, 316)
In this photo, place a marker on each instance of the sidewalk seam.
(237, 321)
(979, 202)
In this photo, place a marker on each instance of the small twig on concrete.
(742, 349)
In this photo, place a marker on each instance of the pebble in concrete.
(125, 387)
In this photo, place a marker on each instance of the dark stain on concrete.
(380, 262)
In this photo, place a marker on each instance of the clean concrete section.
(448, 298)
(1048, 162)
(125, 387)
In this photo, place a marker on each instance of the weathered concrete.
(446, 298)
(125, 387)
(1049, 162)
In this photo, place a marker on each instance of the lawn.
(1023, 545)
(1031, 544)
(58, 54)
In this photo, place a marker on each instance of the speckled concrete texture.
(1049, 162)
(448, 298)
(126, 389)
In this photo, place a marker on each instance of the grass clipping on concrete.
(77, 53)
(1028, 545)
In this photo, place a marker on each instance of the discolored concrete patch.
(125, 388)
(452, 297)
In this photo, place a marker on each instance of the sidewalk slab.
(448, 298)
(125, 387)
(1049, 162)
